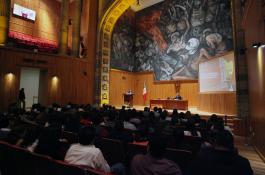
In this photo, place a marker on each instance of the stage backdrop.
(172, 37)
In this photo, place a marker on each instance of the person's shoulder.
(172, 167)
(138, 158)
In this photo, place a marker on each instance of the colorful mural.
(172, 37)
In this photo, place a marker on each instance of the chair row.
(115, 152)
(17, 161)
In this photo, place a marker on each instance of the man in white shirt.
(85, 153)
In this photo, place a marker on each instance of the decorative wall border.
(106, 27)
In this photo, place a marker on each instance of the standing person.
(21, 98)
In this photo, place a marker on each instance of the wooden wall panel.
(47, 21)
(255, 32)
(224, 103)
(120, 82)
(164, 90)
(155, 90)
(74, 80)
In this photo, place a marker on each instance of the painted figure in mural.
(122, 53)
(147, 24)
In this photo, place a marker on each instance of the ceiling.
(144, 4)
(137, 7)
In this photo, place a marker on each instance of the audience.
(40, 131)
(221, 159)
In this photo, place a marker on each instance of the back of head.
(119, 125)
(157, 145)
(175, 112)
(86, 135)
(224, 139)
(188, 114)
(178, 135)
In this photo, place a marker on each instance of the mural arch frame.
(107, 24)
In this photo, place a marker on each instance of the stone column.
(63, 40)
(4, 20)
(241, 61)
(76, 27)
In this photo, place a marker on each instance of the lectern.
(128, 99)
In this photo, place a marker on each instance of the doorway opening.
(34, 82)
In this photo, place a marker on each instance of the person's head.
(218, 124)
(178, 135)
(224, 139)
(188, 114)
(48, 138)
(157, 145)
(22, 89)
(86, 135)
(175, 112)
(119, 126)
(146, 109)
(164, 115)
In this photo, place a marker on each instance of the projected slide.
(218, 74)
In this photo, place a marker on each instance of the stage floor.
(193, 110)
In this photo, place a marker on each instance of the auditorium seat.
(71, 137)
(24, 161)
(181, 157)
(193, 142)
(18, 161)
(113, 150)
(134, 149)
(7, 160)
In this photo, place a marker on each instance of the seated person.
(4, 127)
(119, 133)
(48, 143)
(85, 153)
(153, 162)
(178, 97)
(221, 159)
(191, 130)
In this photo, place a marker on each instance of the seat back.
(63, 168)
(180, 157)
(7, 160)
(112, 150)
(24, 161)
(18, 161)
(44, 164)
(134, 149)
(193, 142)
